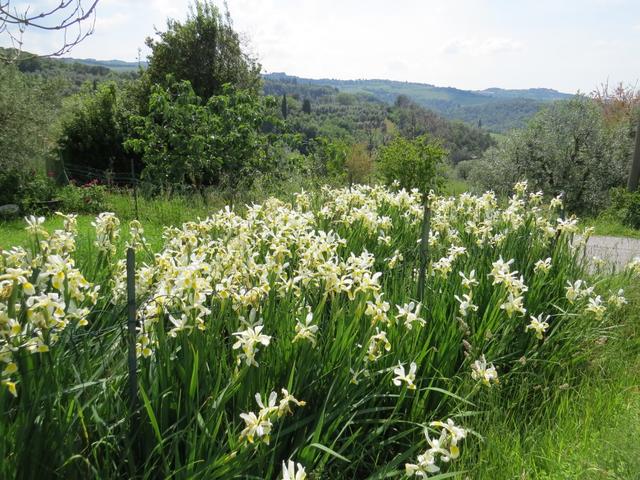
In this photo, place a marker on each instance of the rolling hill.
(496, 109)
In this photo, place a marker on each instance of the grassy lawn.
(153, 214)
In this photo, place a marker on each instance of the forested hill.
(320, 111)
(496, 109)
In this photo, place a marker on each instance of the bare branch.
(75, 19)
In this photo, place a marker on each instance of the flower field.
(287, 340)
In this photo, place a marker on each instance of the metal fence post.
(424, 245)
(131, 327)
(634, 175)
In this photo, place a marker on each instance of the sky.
(568, 45)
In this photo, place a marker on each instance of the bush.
(88, 198)
(35, 191)
(626, 205)
(186, 141)
(93, 132)
(412, 163)
(10, 181)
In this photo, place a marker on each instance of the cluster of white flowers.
(292, 471)
(444, 448)
(539, 325)
(484, 372)
(41, 293)
(107, 227)
(274, 249)
(259, 425)
(502, 274)
(410, 314)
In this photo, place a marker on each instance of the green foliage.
(88, 198)
(94, 129)
(462, 141)
(71, 74)
(283, 106)
(330, 156)
(626, 205)
(412, 163)
(36, 192)
(356, 422)
(359, 164)
(566, 148)
(28, 106)
(306, 106)
(499, 110)
(205, 50)
(185, 141)
(361, 118)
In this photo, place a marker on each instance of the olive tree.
(566, 148)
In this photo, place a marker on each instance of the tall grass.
(325, 277)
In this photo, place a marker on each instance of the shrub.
(411, 163)
(185, 141)
(626, 205)
(93, 131)
(36, 190)
(88, 198)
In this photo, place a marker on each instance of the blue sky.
(569, 45)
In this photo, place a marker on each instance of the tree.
(205, 50)
(183, 140)
(634, 175)
(306, 106)
(412, 163)
(283, 106)
(359, 164)
(28, 107)
(93, 132)
(74, 19)
(566, 148)
(415, 164)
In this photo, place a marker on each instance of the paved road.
(617, 251)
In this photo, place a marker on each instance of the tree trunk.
(634, 176)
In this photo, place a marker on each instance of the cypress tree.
(283, 106)
(306, 106)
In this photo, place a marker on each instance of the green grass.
(591, 433)
(155, 214)
(607, 225)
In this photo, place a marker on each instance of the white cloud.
(475, 47)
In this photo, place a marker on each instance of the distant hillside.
(116, 65)
(495, 108)
(364, 118)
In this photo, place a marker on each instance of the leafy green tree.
(205, 50)
(183, 140)
(283, 106)
(28, 107)
(330, 156)
(359, 164)
(413, 163)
